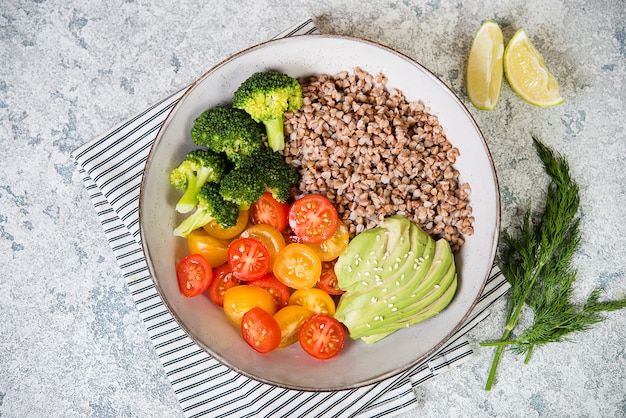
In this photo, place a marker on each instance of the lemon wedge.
(484, 66)
(527, 74)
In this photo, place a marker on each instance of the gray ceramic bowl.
(358, 364)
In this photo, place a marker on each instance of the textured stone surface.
(72, 341)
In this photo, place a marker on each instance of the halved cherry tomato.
(322, 336)
(223, 279)
(268, 210)
(214, 250)
(313, 218)
(334, 246)
(298, 266)
(315, 300)
(290, 236)
(269, 236)
(290, 319)
(248, 258)
(278, 290)
(260, 330)
(194, 275)
(215, 230)
(240, 299)
(328, 279)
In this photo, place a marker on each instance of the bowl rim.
(381, 376)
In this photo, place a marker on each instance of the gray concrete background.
(72, 343)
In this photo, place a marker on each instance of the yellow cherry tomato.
(290, 319)
(315, 300)
(215, 230)
(269, 236)
(214, 250)
(240, 299)
(335, 245)
(298, 266)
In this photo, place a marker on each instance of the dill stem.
(510, 325)
(498, 343)
(528, 354)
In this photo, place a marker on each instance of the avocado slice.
(394, 275)
(355, 264)
(402, 272)
(432, 310)
(406, 244)
(417, 305)
(406, 300)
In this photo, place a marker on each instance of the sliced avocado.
(404, 267)
(434, 308)
(393, 275)
(394, 304)
(401, 315)
(430, 311)
(385, 284)
(398, 243)
(364, 250)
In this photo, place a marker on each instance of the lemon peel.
(526, 72)
(484, 66)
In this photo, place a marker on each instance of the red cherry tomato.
(248, 258)
(194, 275)
(313, 219)
(290, 237)
(322, 336)
(260, 330)
(328, 279)
(223, 279)
(279, 291)
(268, 210)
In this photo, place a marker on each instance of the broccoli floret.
(243, 186)
(276, 174)
(198, 167)
(266, 96)
(211, 206)
(227, 130)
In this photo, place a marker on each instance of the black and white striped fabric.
(111, 167)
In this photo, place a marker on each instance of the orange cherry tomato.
(260, 330)
(322, 336)
(268, 210)
(334, 246)
(278, 290)
(240, 299)
(214, 250)
(314, 299)
(248, 258)
(328, 279)
(223, 279)
(194, 275)
(313, 218)
(290, 319)
(268, 236)
(298, 266)
(215, 230)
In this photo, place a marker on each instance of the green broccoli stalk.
(266, 96)
(198, 167)
(242, 186)
(227, 130)
(211, 206)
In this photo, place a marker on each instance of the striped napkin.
(111, 167)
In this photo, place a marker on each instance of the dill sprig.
(537, 261)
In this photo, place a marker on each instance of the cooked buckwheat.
(374, 154)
